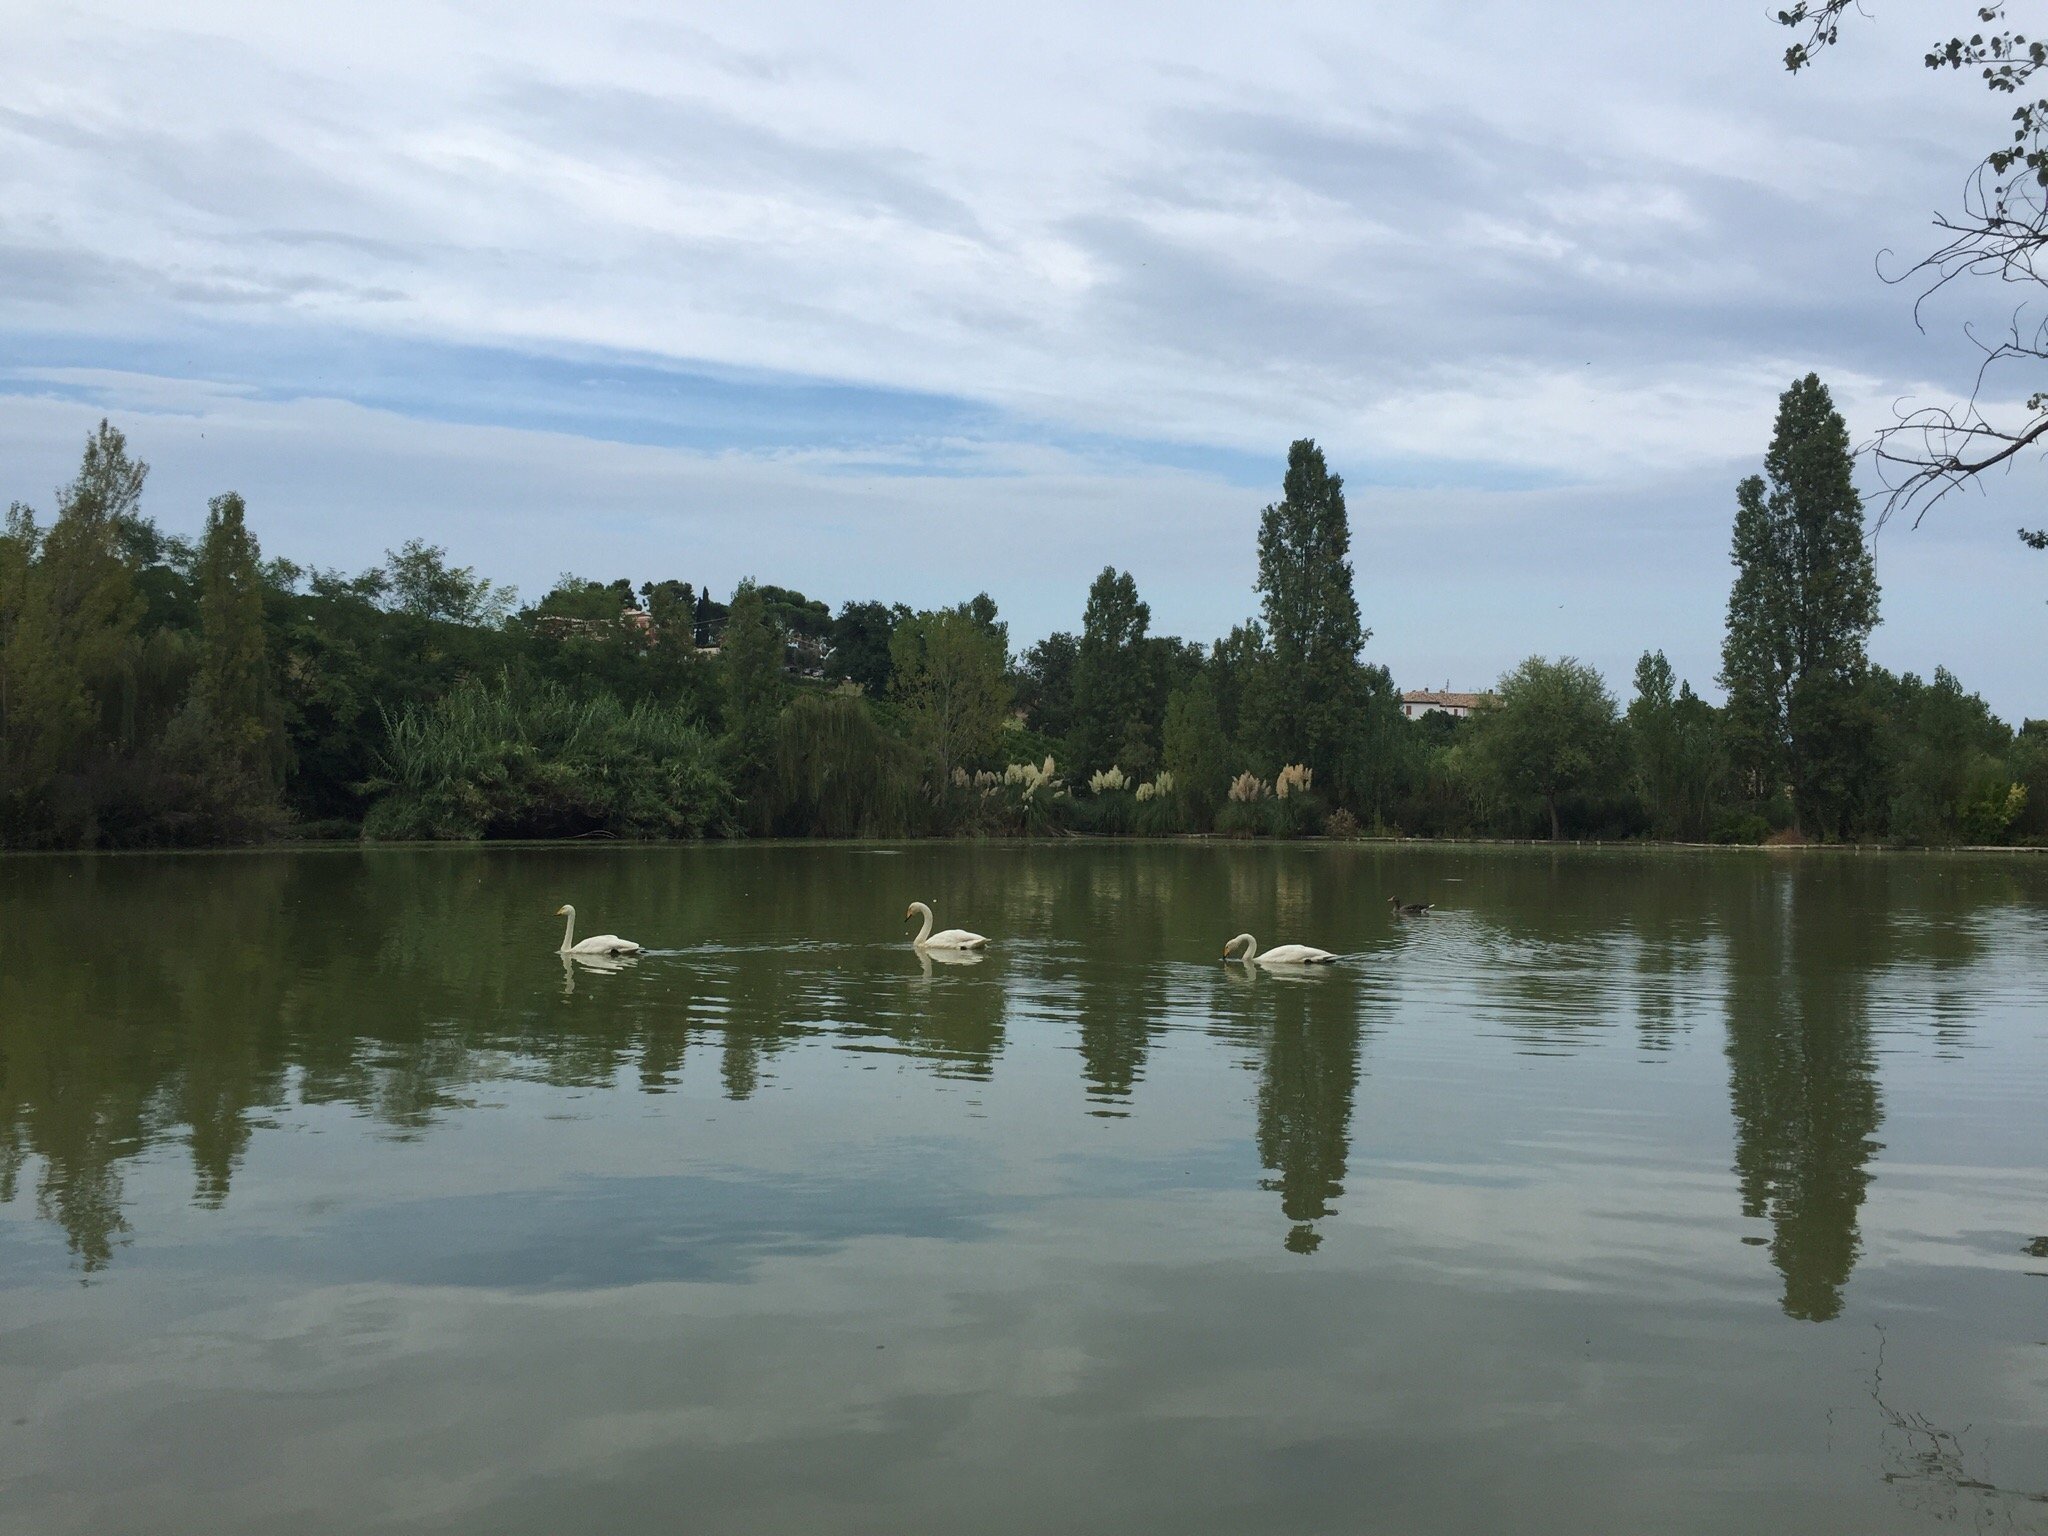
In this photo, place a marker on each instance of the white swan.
(946, 938)
(1279, 954)
(603, 944)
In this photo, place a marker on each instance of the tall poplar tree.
(1110, 676)
(44, 709)
(1311, 690)
(87, 571)
(233, 688)
(751, 652)
(1800, 614)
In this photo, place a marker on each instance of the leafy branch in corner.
(2001, 232)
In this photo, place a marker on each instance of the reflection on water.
(1599, 1102)
(1803, 1080)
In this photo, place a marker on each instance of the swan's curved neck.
(569, 930)
(926, 912)
(1250, 944)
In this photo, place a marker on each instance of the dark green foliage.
(154, 691)
(232, 700)
(1238, 665)
(752, 659)
(2029, 764)
(492, 761)
(857, 646)
(838, 773)
(1045, 685)
(1109, 679)
(1197, 750)
(1379, 757)
(1675, 749)
(1311, 691)
(1551, 739)
(419, 582)
(952, 685)
(1952, 780)
(1799, 615)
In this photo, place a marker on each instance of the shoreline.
(1202, 839)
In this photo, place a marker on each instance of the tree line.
(156, 691)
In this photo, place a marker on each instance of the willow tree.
(1311, 689)
(1800, 614)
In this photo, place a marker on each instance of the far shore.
(1181, 839)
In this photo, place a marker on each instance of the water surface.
(1626, 1192)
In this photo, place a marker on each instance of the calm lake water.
(1628, 1192)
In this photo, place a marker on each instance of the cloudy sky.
(912, 302)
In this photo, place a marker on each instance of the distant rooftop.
(1443, 698)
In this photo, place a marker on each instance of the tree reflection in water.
(1802, 1082)
(1306, 1087)
(220, 988)
(1936, 1473)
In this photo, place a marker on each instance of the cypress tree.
(1800, 614)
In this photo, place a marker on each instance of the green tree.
(1238, 668)
(1950, 776)
(1550, 736)
(1197, 748)
(1674, 749)
(1800, 612)
(857, 645)
(1312, 688)
(45, 712)
(420, 582)
(90, 578)
(232, 690)
(1109, 676)
(1045, 685)
(951, 681)
(672, 606)
(752, 656)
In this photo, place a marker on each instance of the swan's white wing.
(1296, 954)
(605, 944)
(954, 938)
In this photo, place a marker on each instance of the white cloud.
(1506, 245)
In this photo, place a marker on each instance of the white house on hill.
(1432, 701)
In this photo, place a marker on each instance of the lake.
(1628, 1191)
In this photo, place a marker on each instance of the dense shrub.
(538, 762)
